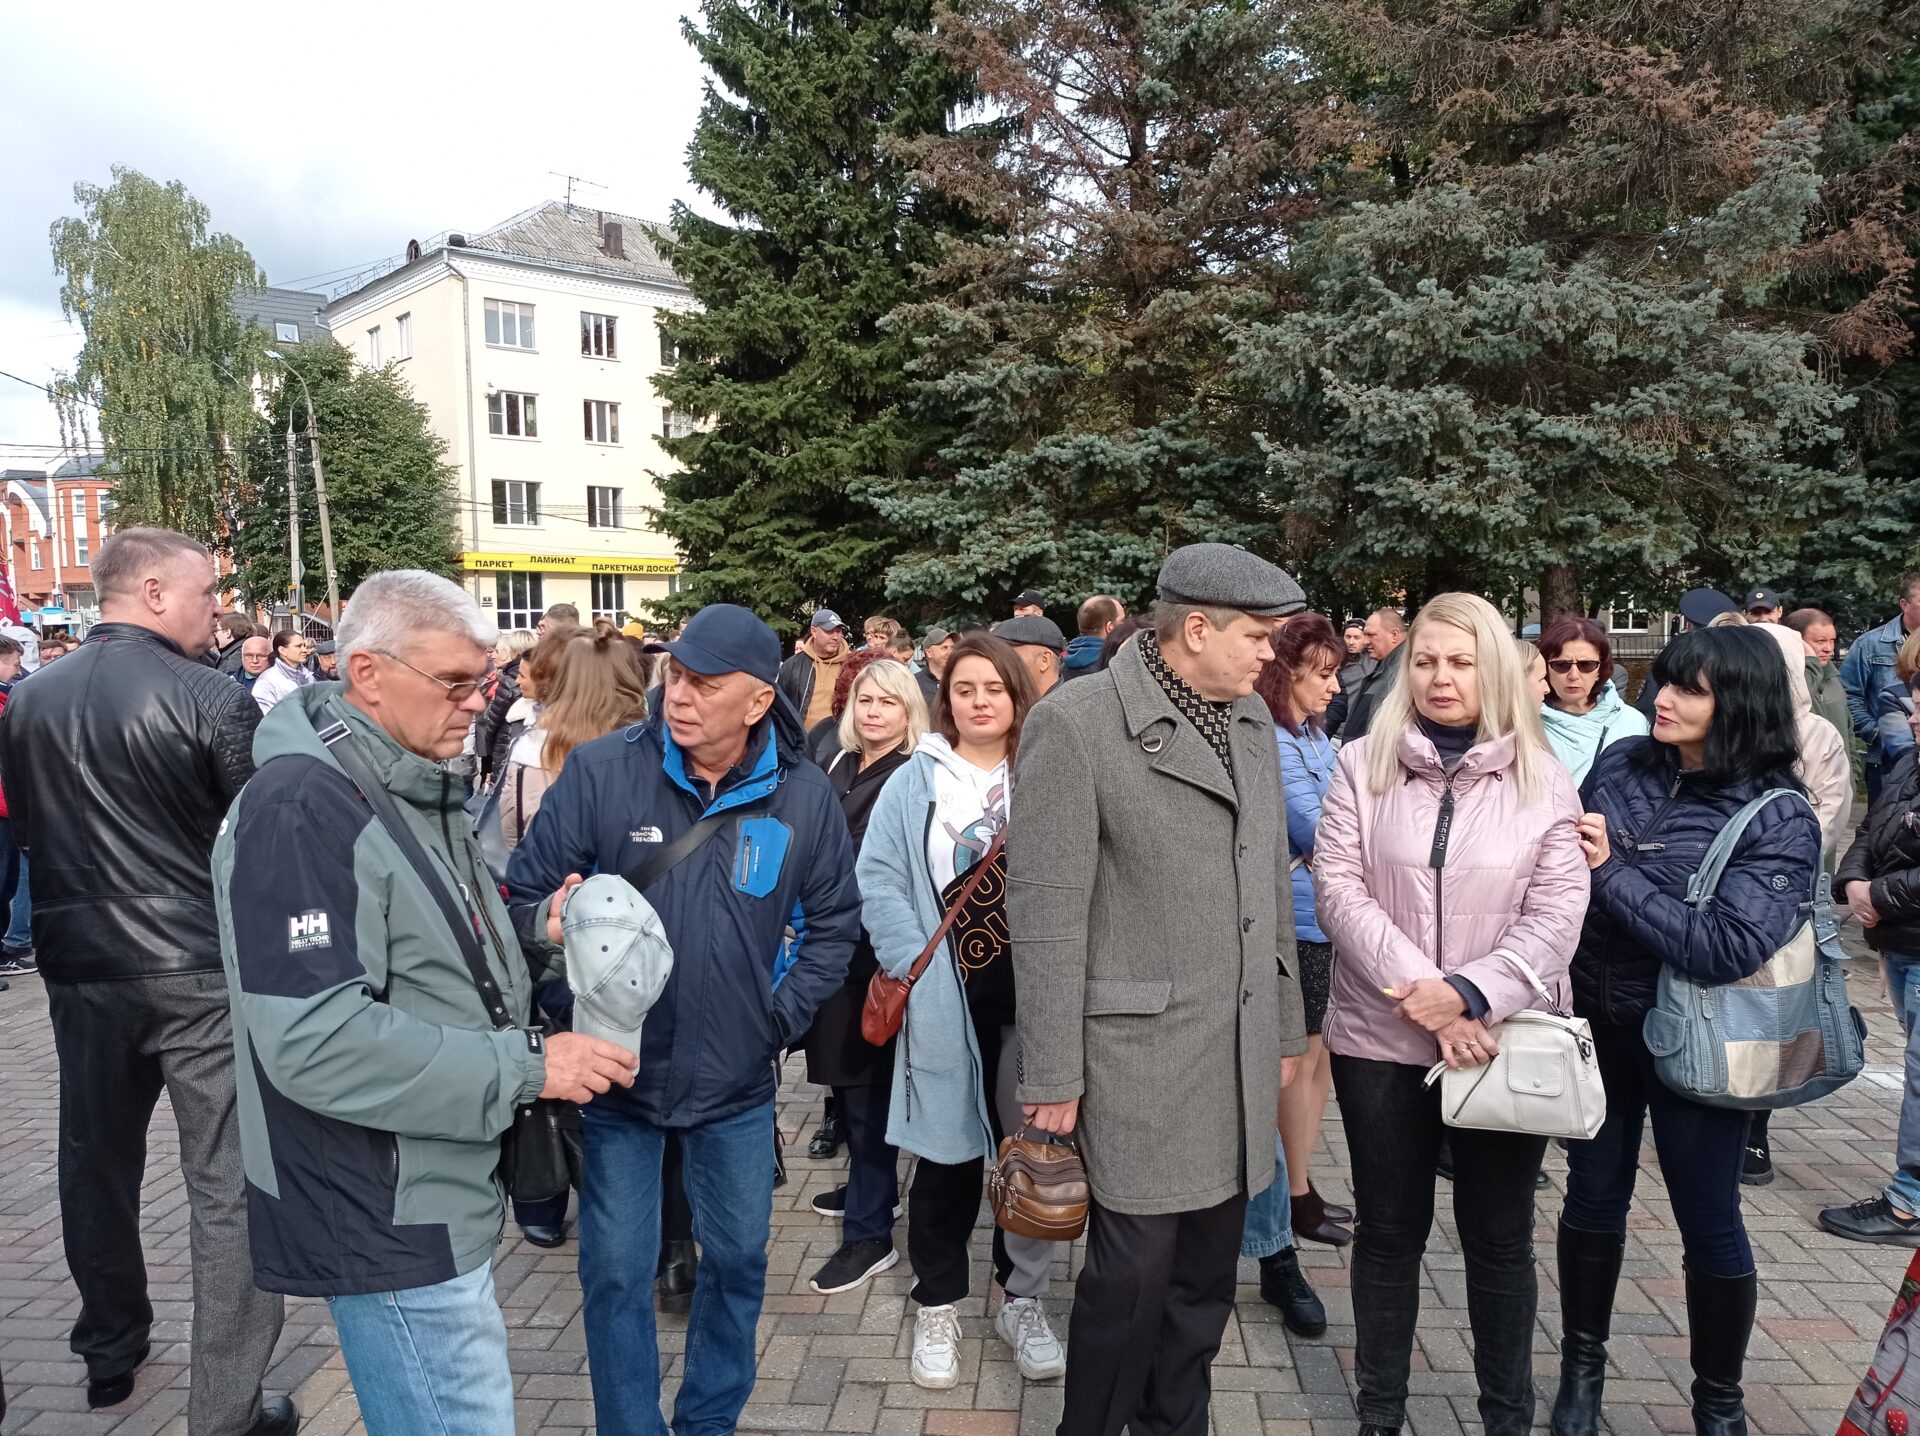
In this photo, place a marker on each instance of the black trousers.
(1394, 1129)
(1148, 1312)
(120, 1044)
(944, 1203)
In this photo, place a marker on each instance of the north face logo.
(308, 930)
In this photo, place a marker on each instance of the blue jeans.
(729, 1180)
(431, 1361)
(20, 918)
(1269, 1226)
(1701, 1150)
(1903, 990)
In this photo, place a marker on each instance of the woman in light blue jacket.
(1584, 713)
(955, 1075)
(1297, 686)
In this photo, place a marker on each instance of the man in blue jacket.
(721, 766)
(1867, 676)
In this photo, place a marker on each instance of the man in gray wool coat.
(1152, 922)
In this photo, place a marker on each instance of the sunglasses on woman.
(1567, 665)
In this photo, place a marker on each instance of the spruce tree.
(1548, 335)
(795, 386)
(1135, 193)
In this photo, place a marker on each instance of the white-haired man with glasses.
(381, 1014)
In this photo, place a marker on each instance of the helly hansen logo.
(308, 930)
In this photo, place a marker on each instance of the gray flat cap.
(1224, 575)
(1034, 630)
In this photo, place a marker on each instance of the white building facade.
(533, 347)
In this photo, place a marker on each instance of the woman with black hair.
(1723, 733)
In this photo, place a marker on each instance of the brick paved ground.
(840, 1363)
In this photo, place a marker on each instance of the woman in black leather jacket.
(1723, 733)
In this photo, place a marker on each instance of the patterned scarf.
(1213, 721)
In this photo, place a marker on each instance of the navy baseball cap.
(828, 619)
(725, 638)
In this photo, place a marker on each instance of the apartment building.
(55, 515)
(533, 346)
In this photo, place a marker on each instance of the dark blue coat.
(708, 1046)
(1660, 823)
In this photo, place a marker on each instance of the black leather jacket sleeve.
(233, 725)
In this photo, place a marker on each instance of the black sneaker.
(1872, 1220)
(834, 1204)
(855, 1264)
(17, 959)
(1757, 1168)
(1284, 1285)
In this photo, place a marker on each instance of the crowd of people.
(380, 909)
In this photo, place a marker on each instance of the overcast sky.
(323, 139)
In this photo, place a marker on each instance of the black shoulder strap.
(339, 740)
(664, 860)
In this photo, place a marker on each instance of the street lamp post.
(319, 494)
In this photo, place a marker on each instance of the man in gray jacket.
(382, 1050)
(1159, 1031)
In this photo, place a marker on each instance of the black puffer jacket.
(492, 735)
(1886, 854)
(1660, 823)
(120, 763)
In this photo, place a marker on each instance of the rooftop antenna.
(573, 180)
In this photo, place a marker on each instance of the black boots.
(1719, 1322)
(1284, 1285)
(1589, 1272)
(673, 1282)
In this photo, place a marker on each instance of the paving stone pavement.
(840, 1363)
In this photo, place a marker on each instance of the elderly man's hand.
(579, 1067)
(1055, 1117)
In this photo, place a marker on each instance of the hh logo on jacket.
(308, 930)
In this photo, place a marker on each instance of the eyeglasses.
(457, 693)
(1567, 665)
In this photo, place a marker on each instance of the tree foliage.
(1555, 327)
(163, 375)
(785, 361)
(1133, 176)
(389, 485)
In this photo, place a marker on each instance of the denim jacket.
(1872, 688)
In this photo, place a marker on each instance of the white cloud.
(326, 139)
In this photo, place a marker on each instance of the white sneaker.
(936, 1348)
(1022, 1324)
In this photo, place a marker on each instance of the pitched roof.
(555, 233)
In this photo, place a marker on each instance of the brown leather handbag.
(1038, 1188)
(886, 1005)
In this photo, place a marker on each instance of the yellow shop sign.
(566, 563)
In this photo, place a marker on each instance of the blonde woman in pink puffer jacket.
(1447, 856)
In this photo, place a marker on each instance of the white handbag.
(1545, 1079)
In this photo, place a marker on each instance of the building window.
(1628, 616)
(668, 356)
(597, 336)
(80, 545)
(403, 337)
(609, 595)
(515, 502)
(674, 425)
(517, 602)
(33, 546)
(286, 333)
(603, 421)
(603, 508)
(509, 325)
(512, 416)
(373, 347)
